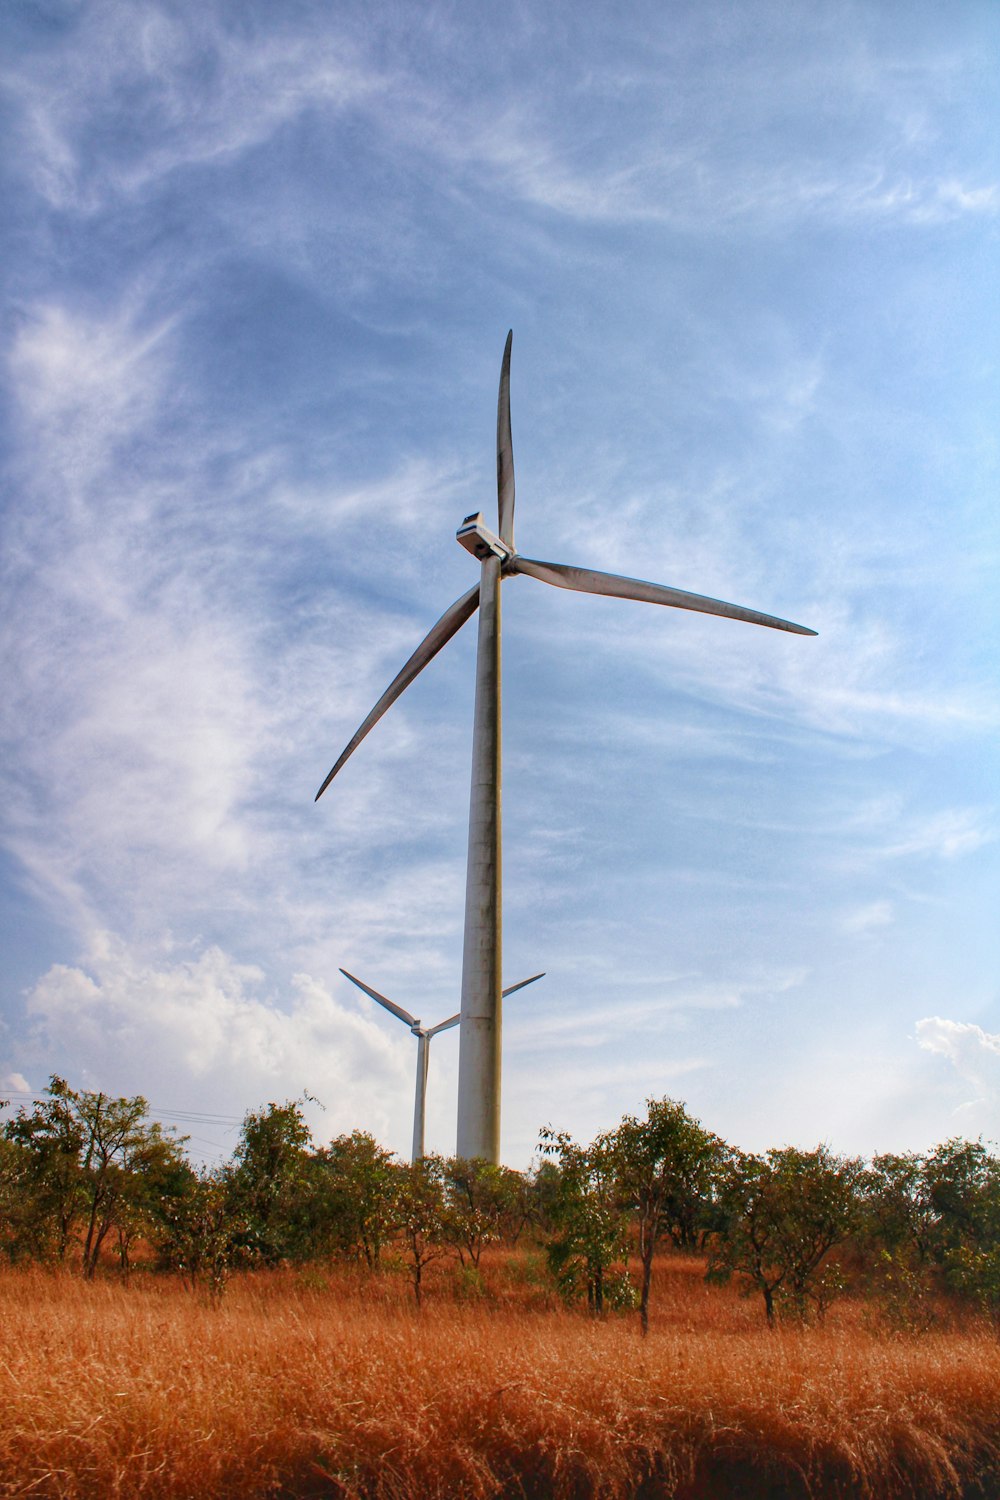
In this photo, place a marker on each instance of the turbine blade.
(397, 1010)
(454, 1020)
(589, 581)
(450, 622)
(505, 452)
(444, 1025)
(521, 983)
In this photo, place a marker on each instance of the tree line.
(84, 1175)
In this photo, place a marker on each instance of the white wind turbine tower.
(423, 1035)
(479, 1038)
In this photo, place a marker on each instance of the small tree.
(959, 1180)
(896, 1234)
(899, 1213)
(421, 1216)
(267, 1181)
(89, 1163)
(50, 1191)
(962, 1181)
(200, 1233)
(543, 1190)
(666, 1168)
(16, 1205)
(783, 1213)
(483, 1200)
(590, 1235)
(127, 1165)
(352, 1192)
(523, 1205)
(157, 1176)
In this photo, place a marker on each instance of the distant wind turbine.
(423, 1035)
(479, 1038)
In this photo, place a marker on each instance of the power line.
(181, 1116)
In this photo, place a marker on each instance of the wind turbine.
(423, 1035)
(479, 1038)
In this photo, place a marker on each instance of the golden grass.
(293, 1387)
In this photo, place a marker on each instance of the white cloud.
(70, 366)
(950, 834)
(695, 190)
(210, 93)
(202, 1033)
(972, 1052)
(868, 918)
(851, 682)
(890, 834)
(955, 198)
(721, 148)
(957, 1040)
(83, 384)
(151, 697)
(594, 1025)
(213, 93)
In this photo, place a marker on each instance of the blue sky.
(259, 263)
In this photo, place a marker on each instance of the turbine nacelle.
(476, 537)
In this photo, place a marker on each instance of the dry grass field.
(332, 1385)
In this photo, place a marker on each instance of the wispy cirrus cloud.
(695, 189)
(121, 702)
(84, 385)
(149, 700)
(661, 1002)
(210, 93)
(708, 153)
(868, 918)
(950, 834)
(895, 837)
